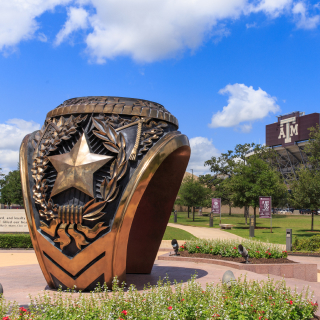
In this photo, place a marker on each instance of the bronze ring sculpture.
(99, 182)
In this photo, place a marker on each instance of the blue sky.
(225, 69)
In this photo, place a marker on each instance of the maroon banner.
(216, 205)
(265, 207)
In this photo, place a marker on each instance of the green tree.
(220, 188)
(305, 190)
(224, 166)
(11, 191)
(2, 180)
(224, 192)
(193, 194)
(253, 179)
(313, 147)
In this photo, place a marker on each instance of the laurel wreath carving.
(109, 189)
(151, 134)
(45, 141)
(48, 139)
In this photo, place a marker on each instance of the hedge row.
(306, 244)
(15, 241)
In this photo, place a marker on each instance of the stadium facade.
(288, 137)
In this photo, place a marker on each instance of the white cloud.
(303, 20)
(77, 19)
(18, 19)
(11, 134)
(9, 160)
(273, 8)
(244, 105)
(151, 30)
(42, 37)
(246, 128)
(202, 150)
(142, 29)
(251, 25)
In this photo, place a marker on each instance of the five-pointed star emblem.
(76, 168)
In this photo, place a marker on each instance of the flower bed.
(229, 248)
(243, 300)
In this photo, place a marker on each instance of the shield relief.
(99, 182)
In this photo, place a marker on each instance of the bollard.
(289, 239)
(1, 289)
(211, 220)
(175, 216)
(251, 232)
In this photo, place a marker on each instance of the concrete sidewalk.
(206, 233)
(210, 233)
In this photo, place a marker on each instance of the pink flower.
(124, 312)
(169, 308)
(198, 247)
(235, 248)
(5, 318)
(291, 302)
(22, 309)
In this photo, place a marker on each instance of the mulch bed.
(303, 254)
(239, 260)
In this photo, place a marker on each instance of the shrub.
(15, 241)
(229, 248)
(306, 244)
(244, 300)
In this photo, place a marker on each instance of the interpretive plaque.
(12, 221)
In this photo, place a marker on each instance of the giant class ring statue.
(99, 182)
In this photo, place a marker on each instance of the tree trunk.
(229, 209)
(312, 220)
(246, 215)
(188, 211)
(255, 216)
(193, 214)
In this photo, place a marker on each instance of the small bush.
(15, 241)
(306, 244)
(229, 248)
(245, 299)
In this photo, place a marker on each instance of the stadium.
(288, 137)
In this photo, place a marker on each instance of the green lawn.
(300, 225)
(178, 234)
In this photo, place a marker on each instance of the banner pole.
(220, 210)
(271, 214)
